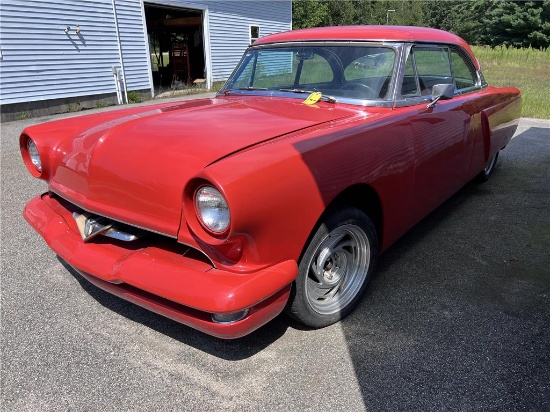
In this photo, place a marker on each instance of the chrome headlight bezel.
(212, 210)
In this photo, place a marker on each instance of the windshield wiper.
(248, 88)
(252, 88)
(326, 98)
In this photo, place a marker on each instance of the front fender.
(274, 203)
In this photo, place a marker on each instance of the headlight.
(34, 155)
(212, 209)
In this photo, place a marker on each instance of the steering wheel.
(359, 87)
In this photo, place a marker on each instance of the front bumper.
(162, 279)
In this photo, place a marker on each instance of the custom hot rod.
(323, 147)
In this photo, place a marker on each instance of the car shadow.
(231, 350)
(457, 314)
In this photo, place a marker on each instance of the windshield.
(341, 72)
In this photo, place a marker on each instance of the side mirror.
(441, 92)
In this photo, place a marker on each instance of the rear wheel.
(335, 268)
(489, 169)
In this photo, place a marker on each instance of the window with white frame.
(254, 33)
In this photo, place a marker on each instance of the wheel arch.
(365, 198)
(361, 196)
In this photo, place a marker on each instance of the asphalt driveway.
(456, 318)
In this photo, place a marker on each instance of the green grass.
(217, 86)
(135, 97)
(526, 69)
(23, 115)
(74, 107)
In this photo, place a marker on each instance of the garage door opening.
(177, 46)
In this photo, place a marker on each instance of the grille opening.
(149, 239)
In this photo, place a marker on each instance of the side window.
(463, 70)
(410, 85)
(433, 67)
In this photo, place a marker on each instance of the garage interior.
(177, 46)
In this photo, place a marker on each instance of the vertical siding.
(133, 46)
(40, 62)
(230, 29)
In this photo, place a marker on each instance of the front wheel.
(335, 269)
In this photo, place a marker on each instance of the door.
(441, 133)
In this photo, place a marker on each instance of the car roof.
(370, 33)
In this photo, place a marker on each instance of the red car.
(324, 146)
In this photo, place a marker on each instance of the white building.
(56, 53)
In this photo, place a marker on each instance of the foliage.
(493, 23)
(464, 18)
(315, 13)
(510, 23)
(518, 24)
(74, 107)
(309, 13)
(135, 97)
(23, 115)
(217, 86)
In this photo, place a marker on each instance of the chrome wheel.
(338, 269)
(335, 268)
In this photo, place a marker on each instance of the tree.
(518, 24)
(313, 13)
(464, 18)
(341, 13)
(309, 13)
(511, 23)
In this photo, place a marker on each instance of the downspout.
(116, 76)
(206, 45)
(120, 51)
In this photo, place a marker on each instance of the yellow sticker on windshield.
(313, 98)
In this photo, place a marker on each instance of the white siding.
(133, 45)
(40, 62)
(230, 29)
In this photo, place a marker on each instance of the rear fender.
(499, 123)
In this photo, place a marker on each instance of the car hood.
(134, 168)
